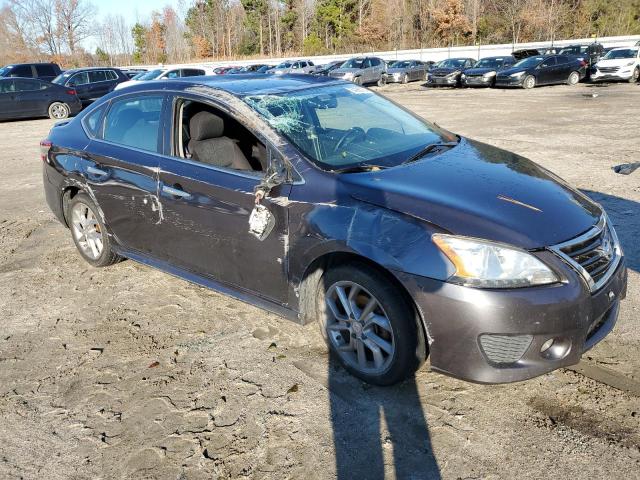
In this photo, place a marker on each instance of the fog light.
(555, 348)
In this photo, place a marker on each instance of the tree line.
(225, 29)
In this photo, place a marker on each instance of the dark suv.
(91, 83)
(41, 71)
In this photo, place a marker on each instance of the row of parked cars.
(43, 89)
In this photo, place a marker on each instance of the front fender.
(393, 240)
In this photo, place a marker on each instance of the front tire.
(382, 81)
(405, 79)
(529, 82)
(89, 232)
(357, 81)
(369, 324)
(573, 79)
(635, 75)
(59, 111)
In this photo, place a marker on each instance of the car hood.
(510, 71)
(128, 83)
(346, 70)
(397, 70)
(481, 191)
(615, 62)
(479, 71)
(446, 71)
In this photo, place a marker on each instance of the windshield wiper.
(359, 168)
(429, 149)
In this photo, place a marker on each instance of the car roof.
(241, 84)
(83, 69)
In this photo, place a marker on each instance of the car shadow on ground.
(625, 216)
(379, 428)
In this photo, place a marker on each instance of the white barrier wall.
(434, 54)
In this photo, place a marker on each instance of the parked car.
(30, 97)
(328, 202)
(133, 72)
(324, 70)
(362, 71)
(541, 70)
(42, 71)
(618, 64)
(590, 54)
(404, 71)
(294, 66)
(167, 73)
(257, 68)
(526, 53)
(91, 83)
(483, 73)
(221, 70)
(448, 71)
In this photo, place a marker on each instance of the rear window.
(7, 86)
(92, 121)
(26, 85)
(134, 122)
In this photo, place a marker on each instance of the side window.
(310, 63)
(192, 72)
(45, 71)
(366, 63)
(549, 62)
(22, 71)
(26, 85)
(81, 78)
(92, 121)
(97, 76)
(210, 136)
(134, 122)
(111, 75)
(173, 74)
(563, 59)
(7, 86)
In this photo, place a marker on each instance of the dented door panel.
(124, 183)
(206, 229)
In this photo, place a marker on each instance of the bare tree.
(74, 19)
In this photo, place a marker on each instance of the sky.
(131, 9)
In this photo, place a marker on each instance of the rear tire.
(381, 347)
(573, 79)
(59, 111)
(529, 82)
(89, 232)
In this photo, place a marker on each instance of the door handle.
(97, 171)
(176, 192)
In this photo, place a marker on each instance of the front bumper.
(509, 81)
(395, 78)
(447, 81)
(598, 76)
(473, 331)
(477, 81)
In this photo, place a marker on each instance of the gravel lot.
(127, 372)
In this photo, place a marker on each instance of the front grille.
(608, 69)
(504, 349)
(595, 255)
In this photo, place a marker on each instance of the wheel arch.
(312, 276)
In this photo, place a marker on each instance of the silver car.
(404, 71)
(293, 66)
(362, 70)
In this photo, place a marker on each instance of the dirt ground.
(127, 372)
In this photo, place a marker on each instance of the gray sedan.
(404, 71)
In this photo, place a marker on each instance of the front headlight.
(453, 74)
(489, 75)
(484, 264)
(463, 76)
(629, 64)
(517, 74)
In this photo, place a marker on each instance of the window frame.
(171, 132)
(161, 130)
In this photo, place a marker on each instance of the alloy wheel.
(59, 111)
(358, 328)
(574, 78)
(86, 230)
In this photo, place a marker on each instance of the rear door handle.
(97, 171)
(176, 192)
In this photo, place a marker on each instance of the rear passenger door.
(564, 68)
(8, 104)
(121, 168)
(29, 97)
(99, 83)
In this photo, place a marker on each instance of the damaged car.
(449, 72)
(323, 201)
